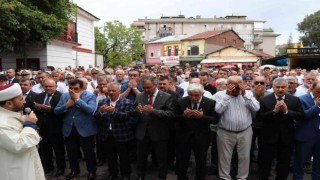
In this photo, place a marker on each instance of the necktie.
(194, 106)
(150, 100)
(47, 100)
(9, 81)
(279, 99)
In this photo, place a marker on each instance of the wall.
(9, 61)
(229, 37)
(186, 44)
(59, 55)
(156, 57)
(268, 45)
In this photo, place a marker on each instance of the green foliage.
(25, 22)
(310, 27)
(283, 50)
(119, 44)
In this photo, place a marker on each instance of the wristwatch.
(77, 100)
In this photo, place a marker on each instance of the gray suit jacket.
(157, 123)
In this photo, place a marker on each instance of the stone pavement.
(102, 172)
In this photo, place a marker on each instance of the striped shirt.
(235, 112)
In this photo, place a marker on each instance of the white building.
(77, 48)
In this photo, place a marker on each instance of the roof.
(255, 52)
(202, 20)
(172, 38)
(209, 34)
(88, 13)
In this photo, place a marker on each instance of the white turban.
(9, 91)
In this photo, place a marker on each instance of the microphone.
(27, 110)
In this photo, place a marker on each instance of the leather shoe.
(71, 175)
(140, 178)
(101, 162)
(48, 170)
(112, 177)
(59, 172)
(91, 176)
(125, 178)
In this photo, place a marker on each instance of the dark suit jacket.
(157, 123)
(119, 119)
(31, 97)
(49, 122)
(179, 90)
(192, 126)
(278, 125)
(15, 80)
(308, 128)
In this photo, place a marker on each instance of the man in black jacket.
(194, 114)
(50, 128)
(278, 112)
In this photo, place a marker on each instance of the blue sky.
(280, 15)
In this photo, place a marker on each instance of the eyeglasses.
(133, 75)
(259, 82)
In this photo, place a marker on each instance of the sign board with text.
(169, 60)
(303, 52)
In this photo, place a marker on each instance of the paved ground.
(102, 173)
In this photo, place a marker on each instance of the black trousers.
(200, 150)
(101, 156)
(48, 144)
(171, 147)
(160, 148)
(256, 136)
(73, 143)
(283, 153)
(114, 150)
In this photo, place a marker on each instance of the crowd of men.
(123, 115)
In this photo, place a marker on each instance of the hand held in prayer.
(187, 113)
(198, 114)
(242, 89)
(230, 88)
(139, 108)
(148, 108)
(283, 106)
(70, 103)
(277, 107)
(74, 95)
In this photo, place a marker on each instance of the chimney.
(198, 16)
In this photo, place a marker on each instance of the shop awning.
(214, 61)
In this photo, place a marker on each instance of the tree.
(310, 27)
(26, 22)
(119, 44)
(283, 50)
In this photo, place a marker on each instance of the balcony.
(165, 29)
(71, 34)
(257, 41)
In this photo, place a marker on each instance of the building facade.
(76, 48)
(254, 34)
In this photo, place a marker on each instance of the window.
(31, 63)
(158, 52)
(168, 50)
(151, 53)
(224, 40)
(164, 34)
(234, 41)
(176, 50)
(248, 46)
(193, 50)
